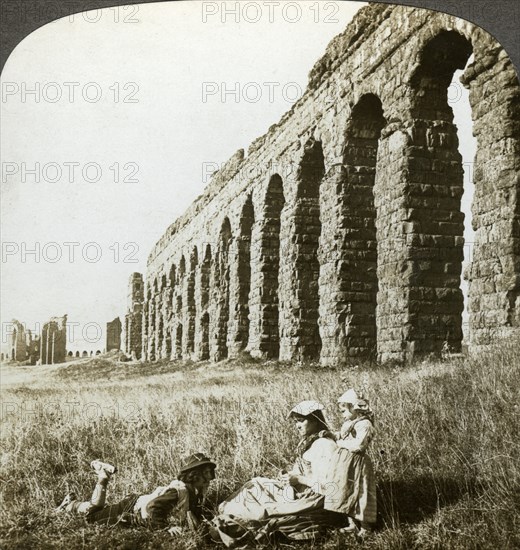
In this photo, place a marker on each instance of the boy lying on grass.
(175, 506)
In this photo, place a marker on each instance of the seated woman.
(175, 506)
(292, 505)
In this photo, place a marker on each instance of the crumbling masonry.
(113, 341)
(340, 235)
(19, 342)
(53, 341)
(133, 335)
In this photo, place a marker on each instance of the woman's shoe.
(351, 528)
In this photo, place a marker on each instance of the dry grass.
(446, 452)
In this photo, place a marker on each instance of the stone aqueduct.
(340, 235)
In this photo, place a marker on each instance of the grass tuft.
(446, 451)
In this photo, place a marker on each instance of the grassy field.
(446, 453)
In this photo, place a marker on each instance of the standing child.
(354, 491)
(177, 505)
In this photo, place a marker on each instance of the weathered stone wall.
(114, 335)
(133, 332)
(53, 341)
(22, 344)
(18, 342)
(340, 234)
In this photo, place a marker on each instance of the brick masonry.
(339, 235)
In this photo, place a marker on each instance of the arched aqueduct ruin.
(340, 234)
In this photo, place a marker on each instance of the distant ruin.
(18, 342)
(24, 346)
(133, 333)
(53, 341)
(340, 235)
(114, 335)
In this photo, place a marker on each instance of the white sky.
(169, 133)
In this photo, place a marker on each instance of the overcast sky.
(118, 106)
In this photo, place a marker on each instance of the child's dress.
(352, 481)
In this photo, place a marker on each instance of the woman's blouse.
(316, 463)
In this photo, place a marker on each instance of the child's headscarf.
(359, 403)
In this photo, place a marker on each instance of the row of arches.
(238, 285)
(84, 353)
(361, 258)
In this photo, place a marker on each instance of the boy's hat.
(350, 397)
(194, 461)
(305, 408)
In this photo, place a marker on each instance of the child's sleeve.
(364, 432)
(345, 429)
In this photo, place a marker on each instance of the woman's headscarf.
(309, 410)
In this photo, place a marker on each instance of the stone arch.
(301, 337)
(203, 290)
(190, 308)
(152, 335)
(240, 330)
(205, 278)
(76, 354)
(310, 172)
(204, 328)
(143, 321)
(264, 340)
(357, 266)
(435, 189)
(182, 268)
(167, 343)
(178, 341)
(439, 58)
(160, 336)
(221, 292)
(180, 292)
(494, 96)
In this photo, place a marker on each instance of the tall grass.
(446, 451)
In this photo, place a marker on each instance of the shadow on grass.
(412, 500)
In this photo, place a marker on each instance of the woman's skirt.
(263, 509)
(262, 497)
(351, 486)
